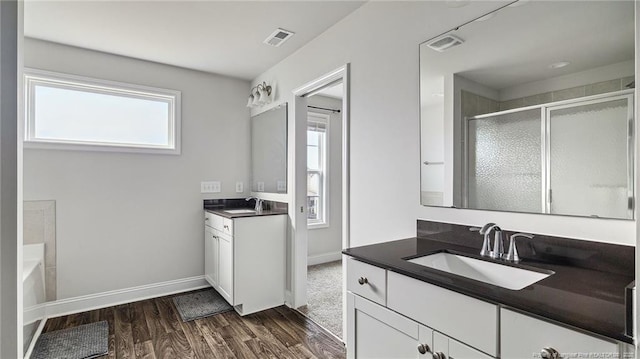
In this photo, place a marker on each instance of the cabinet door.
(376, 332)
(525, 337)
(211, 257)
(225, 267)
(447, 348)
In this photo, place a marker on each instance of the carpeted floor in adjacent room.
(324, 296)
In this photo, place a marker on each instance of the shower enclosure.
(572, 157)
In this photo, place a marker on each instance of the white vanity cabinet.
(525, 337)
(244, 260)
(392, 316)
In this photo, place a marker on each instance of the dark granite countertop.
(221, 212)
(219, 206)
(587, 290)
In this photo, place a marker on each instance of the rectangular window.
(317, 143)
(72, 112)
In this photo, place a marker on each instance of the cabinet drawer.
(367, 281)
(212, 220)
(524, 337)
(458, 316)
(224, 225)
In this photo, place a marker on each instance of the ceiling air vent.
(445, 42)
(278, 37)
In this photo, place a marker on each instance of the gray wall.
(124, 219)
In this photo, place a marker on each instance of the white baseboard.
(324, 258)
(121, 296)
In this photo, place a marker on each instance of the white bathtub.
(33, 290)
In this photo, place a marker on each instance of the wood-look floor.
(153, 329)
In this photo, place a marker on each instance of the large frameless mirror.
(269, 151)
(530, 109)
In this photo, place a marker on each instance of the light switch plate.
(282, 186)
(239, 187)
(216, 187)
(210, 187)
(260, 186)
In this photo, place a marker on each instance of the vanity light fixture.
(260, 95)
(559, 65)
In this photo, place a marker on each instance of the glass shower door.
(590, 158)
(504, 161)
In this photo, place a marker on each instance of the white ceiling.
(223, 37)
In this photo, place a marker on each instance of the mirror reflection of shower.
(539, 120)
(569, 157)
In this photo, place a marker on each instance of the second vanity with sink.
(434, 296)
(236, 242)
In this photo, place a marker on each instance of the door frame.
(300, 238)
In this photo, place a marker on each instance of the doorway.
(324, 208)
(321, 122)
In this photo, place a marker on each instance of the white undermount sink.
(240, 211)
(484, 271)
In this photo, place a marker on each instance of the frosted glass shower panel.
(590, 163)
(504, 162)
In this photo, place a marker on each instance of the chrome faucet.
(259, 202)
(486, 244)
(498, 246)
(513, 250)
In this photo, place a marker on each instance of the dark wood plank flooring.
(153, 329)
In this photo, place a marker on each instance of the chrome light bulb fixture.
(260, 95)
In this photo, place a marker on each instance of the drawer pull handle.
(423, 349)
(439, 355)
(226, 227)
(549, 353)
(363, 280)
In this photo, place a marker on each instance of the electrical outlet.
(239, 187)
(210, 187)
(260, 186)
